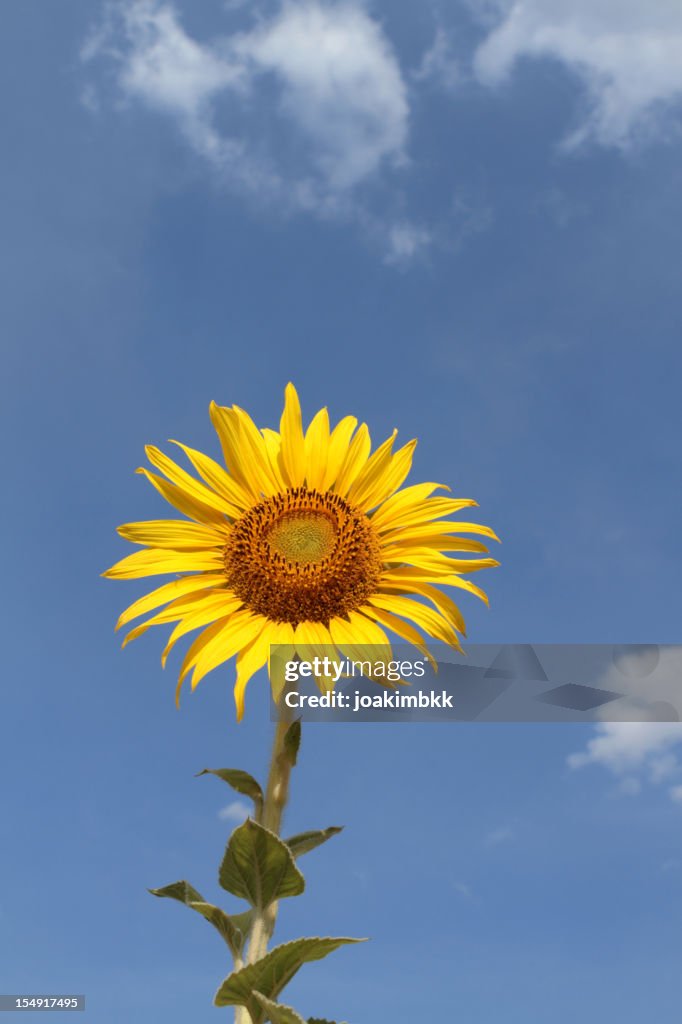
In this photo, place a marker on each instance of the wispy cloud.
(302, 106)
(313, 95)
(439, 65)
(636, 750)
(628, 56)
(497, 836)
(405, 241)
(629, 786)
(236, 811)
(624, 746)
(463, 889)
(341, 86)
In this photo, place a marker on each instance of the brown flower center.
(303, 556)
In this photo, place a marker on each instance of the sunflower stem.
(241, 1014)
(276, 795)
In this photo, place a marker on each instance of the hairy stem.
(276, 795)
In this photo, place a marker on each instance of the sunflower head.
(302, 538)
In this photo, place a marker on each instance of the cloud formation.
(439, 65)
(236, 811)
(302, 105)
(341, 85)
(497, 836)
(628, 55)
(636, 750)
(338, 92)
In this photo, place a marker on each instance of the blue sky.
(461, 220)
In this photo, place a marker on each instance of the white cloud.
(438, 65)
(341, 85)
(167, 68)
(500, 835)
(463, 889)
(624, 746)
(236, 811)
(634, 749)
(662, 768)
(405, 241)
(338, 85)
(627, 53)
(676, 794)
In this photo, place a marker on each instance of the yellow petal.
(218, 480)
(201, 617)
(226, 427)
(338, 449)
(425, 558)
(175, 534)
(355, 459)
(400, 628)
(281, 635)
(402, 501)
(444, 604)
(194, 650)
(182, 501)
(151, 562)
(428, 619)
(408, 575)
(208, 606)
(353, 637)
(249, 661)
(316, 447)
(313, 640)
(217, 644)
(187, 483)
(167, 592)
(242, 627)
(399, 551)
(371, 472)
(291, 431)
(273, 446)
(425, 511)
(390, 478)
(265, 477)
(436, 528)
(464, 584)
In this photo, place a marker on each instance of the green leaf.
(277, 1013)
(234, 929)
(240, 781)
(182, 891)
(304, 842)
(292, 742)
(259, 867)
(269, 975)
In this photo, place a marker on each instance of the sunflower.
(304, 538)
